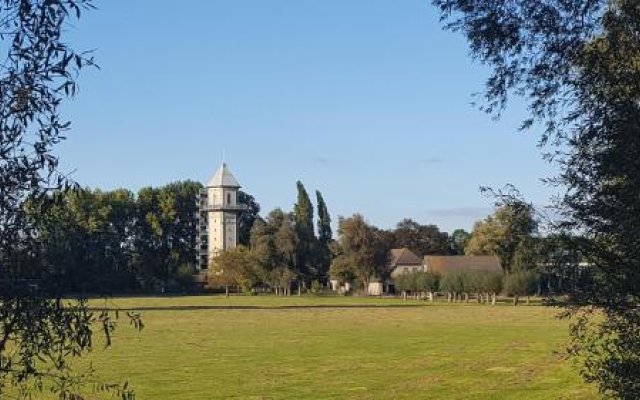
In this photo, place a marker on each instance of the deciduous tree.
(459, 239)
(421, 239)
(235, 267)
(362, 249)
(40, 332)
(576, 64)
(504, 234)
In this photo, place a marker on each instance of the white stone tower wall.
(223, 232)
(222, 212)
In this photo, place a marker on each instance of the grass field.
(340, 348)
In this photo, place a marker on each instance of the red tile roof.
(444, 264)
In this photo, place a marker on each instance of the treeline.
(284, 248)
(297, 249)
(549, 264)
(458, 286)
(117, 241)
(512, 234)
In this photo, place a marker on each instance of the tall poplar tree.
(303, 218)
(325, 236)
(247, 217)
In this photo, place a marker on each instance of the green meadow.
(339, 348)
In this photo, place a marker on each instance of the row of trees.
(460, 285)
(510, 233)
(242, 269)
(118, 241)
(114, 241)
(283, 248)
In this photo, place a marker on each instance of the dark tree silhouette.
(576, 63)
(38, 330)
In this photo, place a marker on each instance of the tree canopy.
(421, 239)
(40, 331)
(505, 234)
(306, 243)
(362, 252)
(325, 237)
(576, 64)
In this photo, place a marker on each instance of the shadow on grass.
(291, 307)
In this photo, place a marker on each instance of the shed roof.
(444, 264)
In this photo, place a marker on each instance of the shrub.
(522, 283)
(316, 287)
(453, 282)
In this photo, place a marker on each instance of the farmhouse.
(404, 260)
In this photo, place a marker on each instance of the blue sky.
(368, 101)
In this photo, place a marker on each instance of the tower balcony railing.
(226, 207)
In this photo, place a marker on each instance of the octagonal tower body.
(219, 213)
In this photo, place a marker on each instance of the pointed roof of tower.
(223, 178)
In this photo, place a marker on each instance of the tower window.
(228, 198)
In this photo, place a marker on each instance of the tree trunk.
(299, 290)
(404, 295)
(528, 300)
(448, 297)
(226, 291)
(516, 299)
(493, 299)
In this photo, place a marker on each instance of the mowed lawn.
(340, 348)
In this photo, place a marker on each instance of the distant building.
(218, 211)
(445, 264)
(404, 260)
(401, 261)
